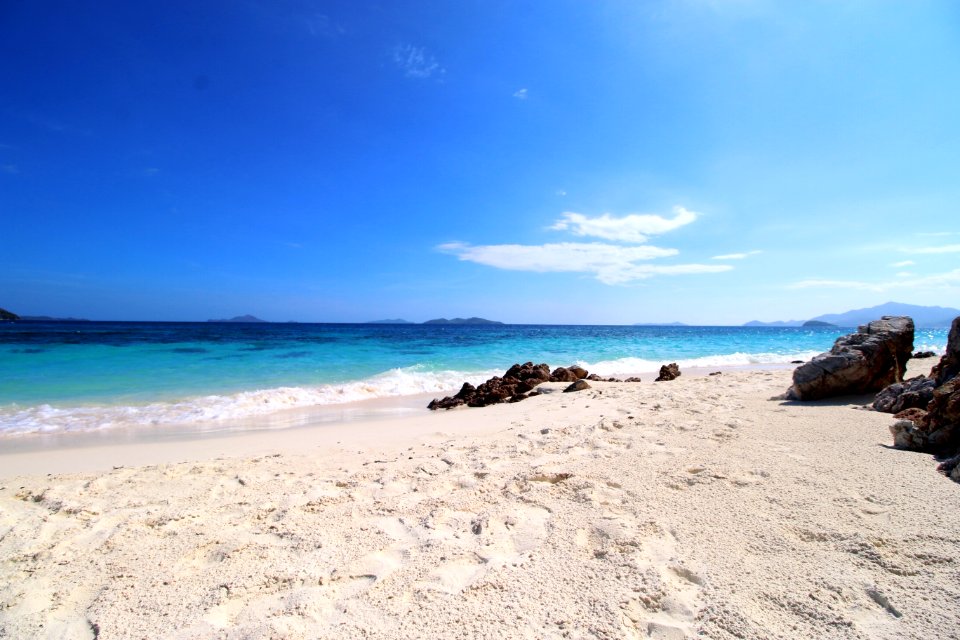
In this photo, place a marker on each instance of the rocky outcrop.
(924, 354)
(668, 372)
(8, 315)
(518, 383)
(936, 427)
(869, 360)
(913, 393)
(515, 385)
(949, 365)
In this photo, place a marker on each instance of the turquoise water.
(86, 376)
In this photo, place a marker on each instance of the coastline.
(696, 506)
(285, 431)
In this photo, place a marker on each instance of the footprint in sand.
(474, 544)
(666, 604)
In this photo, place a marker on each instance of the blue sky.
(556, 162)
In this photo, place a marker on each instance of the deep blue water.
(86, 375)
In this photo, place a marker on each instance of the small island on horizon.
(462, 321)
(243, 318)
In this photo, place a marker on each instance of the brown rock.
(869, 360)
(562, 374)
(915, 392)
(949, 365)
(913, 414)
(580, 372)
(668, 372)
(579, 385)
(937, 429)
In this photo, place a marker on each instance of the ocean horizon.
(58, 377)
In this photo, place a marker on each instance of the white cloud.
(949, 248)
(561, 192)
(903, 263)
(609, 263)
(736, 256)
(520, 94)
(415, 62)
(632, 228)
(950, 279)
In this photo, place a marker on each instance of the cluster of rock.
(518, 383)
(927, 408)
(869, 360)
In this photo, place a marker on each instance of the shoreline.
(702, 506)
(285, 431)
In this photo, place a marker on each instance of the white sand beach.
(700, 507)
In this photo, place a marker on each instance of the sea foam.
(639, 365)
(221, 409)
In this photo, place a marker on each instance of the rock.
(924, 354)
(904, 435)
(949, 365)
(936, 427)
(869, 360)
(516, 384)
(951, 468)
(796, 362)
(529, 372)
(594, 377)
(668, 372)
(580, 372)
(8, 315)
(579, 385)
(635, 379)
(562, 374)
(915, 392)
(715, 373)
(913, 414)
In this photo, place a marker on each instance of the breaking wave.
(208, 409)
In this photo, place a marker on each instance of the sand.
(699, 507)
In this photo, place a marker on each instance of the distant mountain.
(660, 324)
(8, 315)
(246, 318)
(817, 323)
(776, 323)
(930, 317)
(462, 321)
(393, 321)
(50, 319)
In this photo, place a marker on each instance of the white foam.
(623, 366)
(222, 408)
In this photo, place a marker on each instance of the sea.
(59, 377)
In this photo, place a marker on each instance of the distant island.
(246, 318)
(462, 321)
(923, 316)
(392, 321)
(10, 316)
